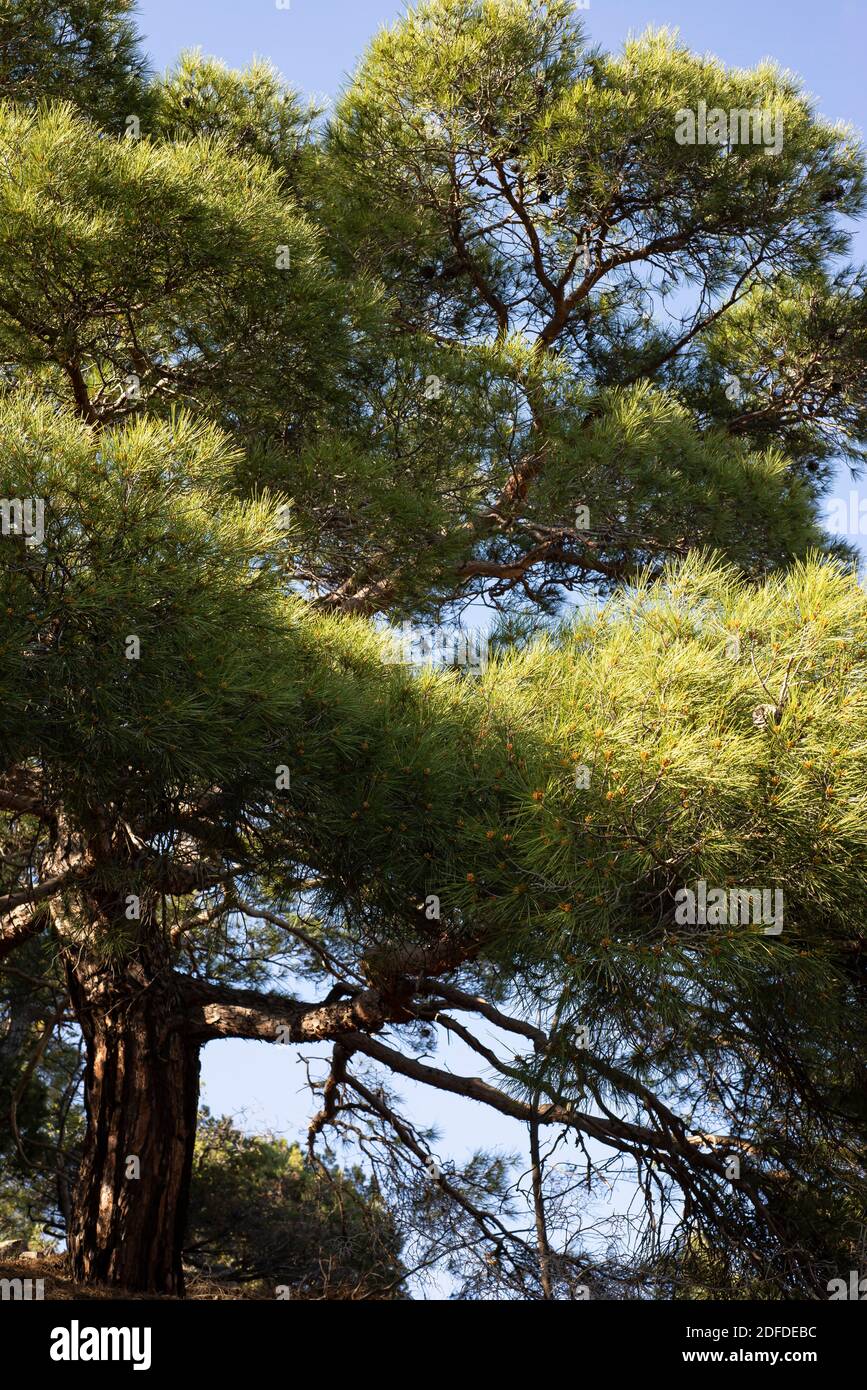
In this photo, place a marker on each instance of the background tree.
(40, 1078)
(260, 1214)
(271, 385)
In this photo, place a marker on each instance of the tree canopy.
(486, 341)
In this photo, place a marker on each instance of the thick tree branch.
(23, 805)
(218, 1011)
(19, 926)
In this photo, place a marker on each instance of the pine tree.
(86, 51)
(269, 382)
(261, 1215)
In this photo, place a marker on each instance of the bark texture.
(141, 1095)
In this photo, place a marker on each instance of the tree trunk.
(141, 1097)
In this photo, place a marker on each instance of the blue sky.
(316, 44)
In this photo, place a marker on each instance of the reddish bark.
(141, 1098)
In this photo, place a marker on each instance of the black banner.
(86, 1340)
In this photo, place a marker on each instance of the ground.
(60, 1287)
